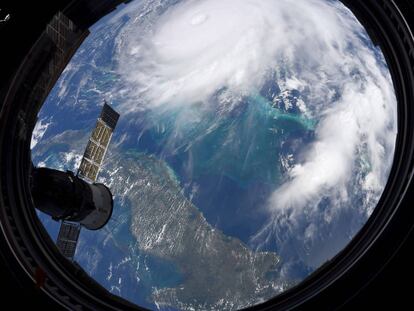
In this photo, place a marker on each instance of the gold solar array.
(89, 168)
(95, 151)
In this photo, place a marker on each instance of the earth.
(255, 140)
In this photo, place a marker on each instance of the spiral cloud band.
(196, 48)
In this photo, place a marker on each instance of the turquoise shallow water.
(280, 115)
(228, 163)
(243, 145)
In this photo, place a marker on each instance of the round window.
(255, 140)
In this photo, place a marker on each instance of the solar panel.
(68, 238)
(109, 116)
(89, 168)
(98, 144)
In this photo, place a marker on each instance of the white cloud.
(38, 132)
(72, 160)
(198, 47)
(358, 118)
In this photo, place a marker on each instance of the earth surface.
(255, 140)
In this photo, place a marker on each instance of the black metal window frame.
(25, 242)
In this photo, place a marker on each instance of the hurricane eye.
(199, 19)
(255, 140)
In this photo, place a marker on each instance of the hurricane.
(255, 140)
(196, 49)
